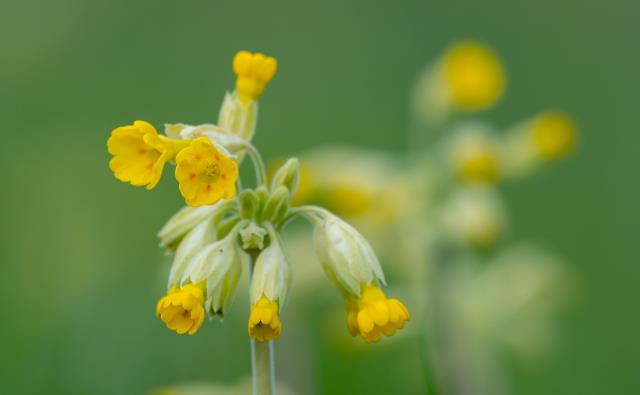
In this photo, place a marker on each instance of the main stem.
(264, 381)
(263, 367)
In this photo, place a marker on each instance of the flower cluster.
(445, 220)
(225, 231)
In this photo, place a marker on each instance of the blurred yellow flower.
(205, 175)
(474, 75)
(254, 71)
(554, 134)
(374, 315)
(475, 156)
(181, 309)
(264, 323)
(139, 153)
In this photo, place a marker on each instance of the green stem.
(258, 164)
(263, 368)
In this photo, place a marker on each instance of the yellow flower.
(181, 309)
(264, 323)
(475, 156)
(139, 153)
(373, 314)
(554, 134)
(205, 175)
(254, 71)
(474, 75)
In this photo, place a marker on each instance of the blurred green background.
(81, 269)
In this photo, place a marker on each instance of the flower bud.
(249, 204)
(288, 175)
(271, 273)
(277, 206)
(253, 236)
(185, 220)
(200, 236)
(219, 266)
(346, 256)
(238, 118)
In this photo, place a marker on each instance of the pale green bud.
(345, 255)
(238, 118)
(219, 265)
(249, 204)
(288, 175)
(277, 205)
(252, 236)
(185, 220)
(200, 236)
(271, 273)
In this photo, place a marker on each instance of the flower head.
(139, 153)
(254, 71)
(553, 134)
(474, 75)
(373, 315)
(205, 174)
(181, 309)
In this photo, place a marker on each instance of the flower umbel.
(264, 323)
(373, 315)
(205, 174)
(139, 153)
(254, 71)
(181, 309)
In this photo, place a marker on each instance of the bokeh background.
(80, 265)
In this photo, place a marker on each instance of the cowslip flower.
(541, 139)
(254, 71)
(181, 309)
(349, 261)
(553, 134)
(140, 153)
(467, 77)
(373, 315)
(473, 74)
(268, 292)
(205, 174)
(475, 154)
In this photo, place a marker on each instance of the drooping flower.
(373, 315)
(264, 323)
(254, 71)
(349, 261)
(268, 292)
(140, 153)
(205, 174)
(474, 75)
(181, 309)
(218, 266)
